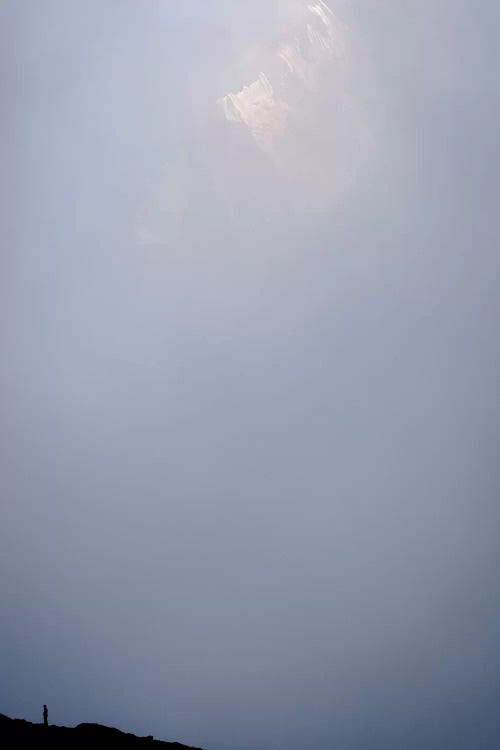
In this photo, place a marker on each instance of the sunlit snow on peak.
(265, 105)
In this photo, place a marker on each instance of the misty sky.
(249, 396)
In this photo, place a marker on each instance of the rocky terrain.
(17, 733)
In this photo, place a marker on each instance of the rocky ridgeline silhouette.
(18, 734)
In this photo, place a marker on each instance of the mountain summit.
(315, 38)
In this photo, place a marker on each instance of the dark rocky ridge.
(18, 733)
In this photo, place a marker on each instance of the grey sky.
(249, 401)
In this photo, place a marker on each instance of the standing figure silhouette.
(45, 716)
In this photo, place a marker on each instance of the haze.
(249, 387)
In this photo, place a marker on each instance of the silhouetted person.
(45, 716)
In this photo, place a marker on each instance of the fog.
(250, 363)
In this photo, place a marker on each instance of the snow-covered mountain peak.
(315, 38)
